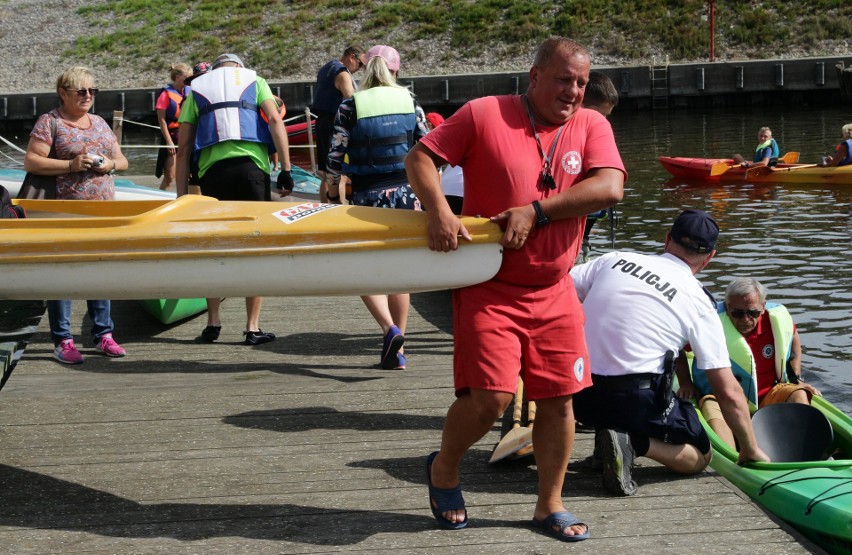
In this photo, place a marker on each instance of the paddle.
(528, 450)
(518, 437)
(763, 171)
(789, 158)
(722, 167)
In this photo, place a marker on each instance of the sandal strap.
(448, 499)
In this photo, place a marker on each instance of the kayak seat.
(792, 432)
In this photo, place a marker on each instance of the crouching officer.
(640, 312)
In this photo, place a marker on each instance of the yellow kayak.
(197, 246)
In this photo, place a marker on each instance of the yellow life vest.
(742, 359)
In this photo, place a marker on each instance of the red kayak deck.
(297, 133)
(698, 168)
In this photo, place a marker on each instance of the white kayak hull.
(350, 273)
(198, 247)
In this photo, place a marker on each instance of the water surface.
(795, 239)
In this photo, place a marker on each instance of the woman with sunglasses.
(80, 150)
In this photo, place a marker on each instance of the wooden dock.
(302, 445)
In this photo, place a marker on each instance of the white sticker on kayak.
(301, 211)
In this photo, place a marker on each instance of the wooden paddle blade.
(511, 443)
(507, 445)
(528, 450)
(721, 167)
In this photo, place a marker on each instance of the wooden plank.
(302, 445)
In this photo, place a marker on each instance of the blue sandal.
(563, 520)
(447, 499)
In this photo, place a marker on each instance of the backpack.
(7, 209)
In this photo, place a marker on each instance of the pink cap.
(387, 53)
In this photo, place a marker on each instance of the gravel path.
(34, 34)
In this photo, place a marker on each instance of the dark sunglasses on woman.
(84, 92)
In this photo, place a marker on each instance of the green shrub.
(278, 34)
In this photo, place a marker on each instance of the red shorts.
(503, 330)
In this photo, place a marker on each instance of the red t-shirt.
(491, 139)
(163, 101)
(762, 345)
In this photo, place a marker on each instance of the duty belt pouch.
(664, 394)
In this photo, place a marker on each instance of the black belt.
(624, 383)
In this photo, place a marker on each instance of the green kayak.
(169, 311)
(815, 497)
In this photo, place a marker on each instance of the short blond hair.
(179, 69)
(846, 130)
(74, 78)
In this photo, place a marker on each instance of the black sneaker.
(617, 454)
(210, 334)
(258, 337)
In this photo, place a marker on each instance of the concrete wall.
(719, 83)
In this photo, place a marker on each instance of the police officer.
(640, 312)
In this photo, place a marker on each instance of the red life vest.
(173, 111)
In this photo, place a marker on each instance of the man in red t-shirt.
(536, 164)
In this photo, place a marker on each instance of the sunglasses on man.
(741, 313)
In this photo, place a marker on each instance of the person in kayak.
(641, 310)
(843, 152)
(766, 153)
(765, 352)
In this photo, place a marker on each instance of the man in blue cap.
(640, 312)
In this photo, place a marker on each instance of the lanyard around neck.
(546, 175)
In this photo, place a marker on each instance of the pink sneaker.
(109, 347)
(66, 352)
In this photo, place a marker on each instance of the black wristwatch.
(541, 218)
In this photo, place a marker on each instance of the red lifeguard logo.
(301, 211)
(572, 163)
